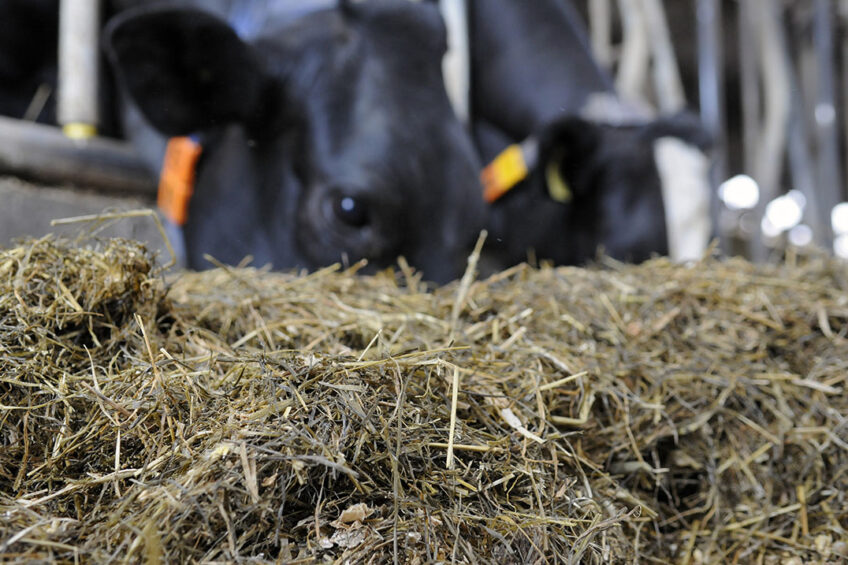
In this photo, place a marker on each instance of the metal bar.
(635, 52)
(750, 85)
(771, 146)
(42, 153)
(79, 54)
(667, 83)
(828, 188)
(710, 55)
(456, 64)
(710, 93)
(600, 25)
(842, 7)
(801, 167)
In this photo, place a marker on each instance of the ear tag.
(558, 188)
(503, 173)
(176, 181)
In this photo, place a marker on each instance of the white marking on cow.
(456, 63)
(840, 246)
(684, 178)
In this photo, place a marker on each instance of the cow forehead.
(395, 28)
(330, 62)
(250, 17)
(353, 99)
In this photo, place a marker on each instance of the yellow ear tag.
(503, 173)
(558, 188)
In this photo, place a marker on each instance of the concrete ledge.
(27, 209)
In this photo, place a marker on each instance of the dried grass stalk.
(610, 415)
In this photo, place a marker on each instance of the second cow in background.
(603, 175)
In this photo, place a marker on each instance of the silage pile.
(620, 414)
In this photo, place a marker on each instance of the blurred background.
(768, 78)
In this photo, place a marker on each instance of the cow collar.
(513, 165)
(176, 179)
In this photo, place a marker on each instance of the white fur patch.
(684, 177)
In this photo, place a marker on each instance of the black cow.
(530, 64)
(325, 138)
(532, 76)
(613, 198)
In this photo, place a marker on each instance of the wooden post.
(79, 33)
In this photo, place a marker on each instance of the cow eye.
(351, 210)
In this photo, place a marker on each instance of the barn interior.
(602, 413)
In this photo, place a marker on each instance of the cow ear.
(567, 156)
(186, 69)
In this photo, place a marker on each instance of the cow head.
(619, 199)
(325, 139)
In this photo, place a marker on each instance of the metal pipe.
(777, 86)
(750, 85)
(456, 64)
(829, 186)
(79, 55)
(667, 83)
(42, 153)
(600, 25)
(801, 166)
(635, 58)
(710, 93)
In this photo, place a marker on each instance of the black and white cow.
(599, 187)
(637, 186)
(325, 138)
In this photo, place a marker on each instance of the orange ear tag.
(176, 181)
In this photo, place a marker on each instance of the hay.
(620, 414)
